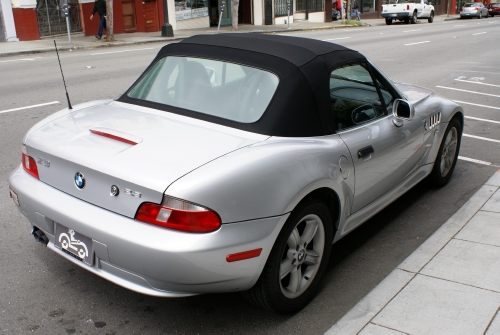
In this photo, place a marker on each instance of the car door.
(384, 152)
(427, 9)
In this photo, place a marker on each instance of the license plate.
(14, 197)
(77, 245)
(394, 14)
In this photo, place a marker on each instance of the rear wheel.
(479, 16)
(447, 155)
(414, 18)
(388, 22)
(296, 262)
(431, 18)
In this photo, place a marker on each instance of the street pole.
(223, 4)
(288, 9)
(65, 8)
(166, 29)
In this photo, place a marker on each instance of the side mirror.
(402, 110)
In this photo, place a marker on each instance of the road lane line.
(458, 89)
(407, 31)
(338, 38)
(478, 105)
(21, 59)
(417, 43)
(479, 119)
(473, 160)
(461, 25)
(114, 52)
(484, 32)
(481, 138)
(476, 82)
(32, 106)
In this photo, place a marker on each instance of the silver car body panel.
(70, 147)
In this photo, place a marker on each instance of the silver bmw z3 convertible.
(233, 163)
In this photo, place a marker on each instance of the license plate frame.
(75, 244)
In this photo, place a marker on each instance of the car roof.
(296, 50)
(301, 105)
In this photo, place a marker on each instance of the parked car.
(493, 9)
(233, 163)
(408, 11)
(473, 9)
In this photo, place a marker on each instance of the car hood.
(168, 147)
(413, 93)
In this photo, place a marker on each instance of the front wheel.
(296, 262)
(388, 22)
(431, 18)
(447, 155)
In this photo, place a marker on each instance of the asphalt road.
(43, 293)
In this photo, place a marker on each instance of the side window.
(354, 97)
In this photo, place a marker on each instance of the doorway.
(150, 12)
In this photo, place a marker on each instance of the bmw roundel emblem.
(79, 180)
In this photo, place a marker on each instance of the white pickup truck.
(408, 11)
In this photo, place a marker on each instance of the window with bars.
(280, 8)
(314, 5)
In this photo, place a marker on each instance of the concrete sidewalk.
(449, 285)
(89, 42)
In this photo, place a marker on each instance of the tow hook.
(40, 236)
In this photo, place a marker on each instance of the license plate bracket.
(77, 245)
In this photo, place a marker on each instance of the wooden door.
(128, 8)
(150, 12)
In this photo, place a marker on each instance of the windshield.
(227, 90)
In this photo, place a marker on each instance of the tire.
(388, 22)
(414, 18)
(292, 272)
(431, 18)
(479, 16)
(486, 15)
(447, 155)
(406, 21)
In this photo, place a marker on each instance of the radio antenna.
(62, 74)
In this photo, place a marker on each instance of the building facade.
(32, 19)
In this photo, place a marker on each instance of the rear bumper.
(402, 15)
(469, 14)
(145, 258)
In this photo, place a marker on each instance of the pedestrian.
(100, 8)
(355, 11)
(338, 7)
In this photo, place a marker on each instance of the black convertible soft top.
(301, 106)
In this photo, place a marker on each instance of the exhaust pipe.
(40, 236)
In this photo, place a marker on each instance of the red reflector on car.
(199, 220)
(243, 255)
(29, 165)
(113, 137)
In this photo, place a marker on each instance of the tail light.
(408, 7)
(179, 215)
(476, 8)
(29, 165)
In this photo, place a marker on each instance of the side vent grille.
(434, 120)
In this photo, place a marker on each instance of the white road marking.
(461, 25)
(114, 52)
(476, 82)
(484, 32)
(407, 31)
(481, 138)
(21, 59)
(479, 119)
(32, 106)
(338, 38)
(457, 89)
(470, 103)
(417, 43)
(473, 160)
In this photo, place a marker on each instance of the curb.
(169, 40)
(375, 301)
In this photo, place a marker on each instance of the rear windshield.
(469, 5)
(227, 90)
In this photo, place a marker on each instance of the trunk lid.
(168, 147)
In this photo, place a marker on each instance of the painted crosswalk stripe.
(32, 106)
(473, 160)
(479, 119)
(481, 138)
